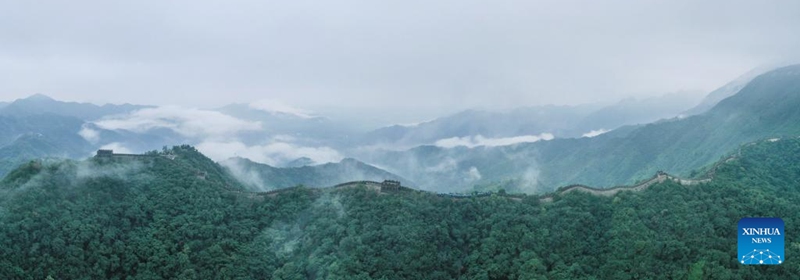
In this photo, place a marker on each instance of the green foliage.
(154, 218)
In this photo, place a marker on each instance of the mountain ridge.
(40, 103)
(263, 177)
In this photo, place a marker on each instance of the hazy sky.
(444, 54)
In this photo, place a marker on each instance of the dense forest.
(186, 218)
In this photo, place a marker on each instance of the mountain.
(300, 162)
(42, 104)
(520, 121)
(263, 177)
(39, 127)
(561, 121)
(153, 217)
(764, 108)
(725, 91)
(27, 137)
(632, 111)
(36, 136)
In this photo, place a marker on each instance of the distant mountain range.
(765, 107)
(561, 121)
(601, 145)
(40, 104)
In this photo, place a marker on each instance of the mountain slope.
(766, 107)
(263, 177)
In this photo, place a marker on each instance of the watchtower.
(390, 185)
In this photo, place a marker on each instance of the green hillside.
(766, 107)
(154, 218)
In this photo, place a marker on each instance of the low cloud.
(473, 174)
(72, 173)
(88, 134)
(249, 177)
(217, 135)
(445, 166)
(89, 170)
(275, 153)
(479, 140)
(187, 122)
(594, 133)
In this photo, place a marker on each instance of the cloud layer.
(188, 122)
(476, 141)
(594, 133)
(217, 135)
(274, 154)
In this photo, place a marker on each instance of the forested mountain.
(766, 107)
(36, 136)
(39, 126)
(185, 218)
(23, 138)
(262, 177)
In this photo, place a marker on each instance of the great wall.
(659, 177)
(390, 186)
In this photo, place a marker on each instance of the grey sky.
(431, 54)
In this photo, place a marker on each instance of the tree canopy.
(155, 217)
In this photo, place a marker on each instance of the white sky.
(430, 55)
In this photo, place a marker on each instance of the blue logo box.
(761, 241)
